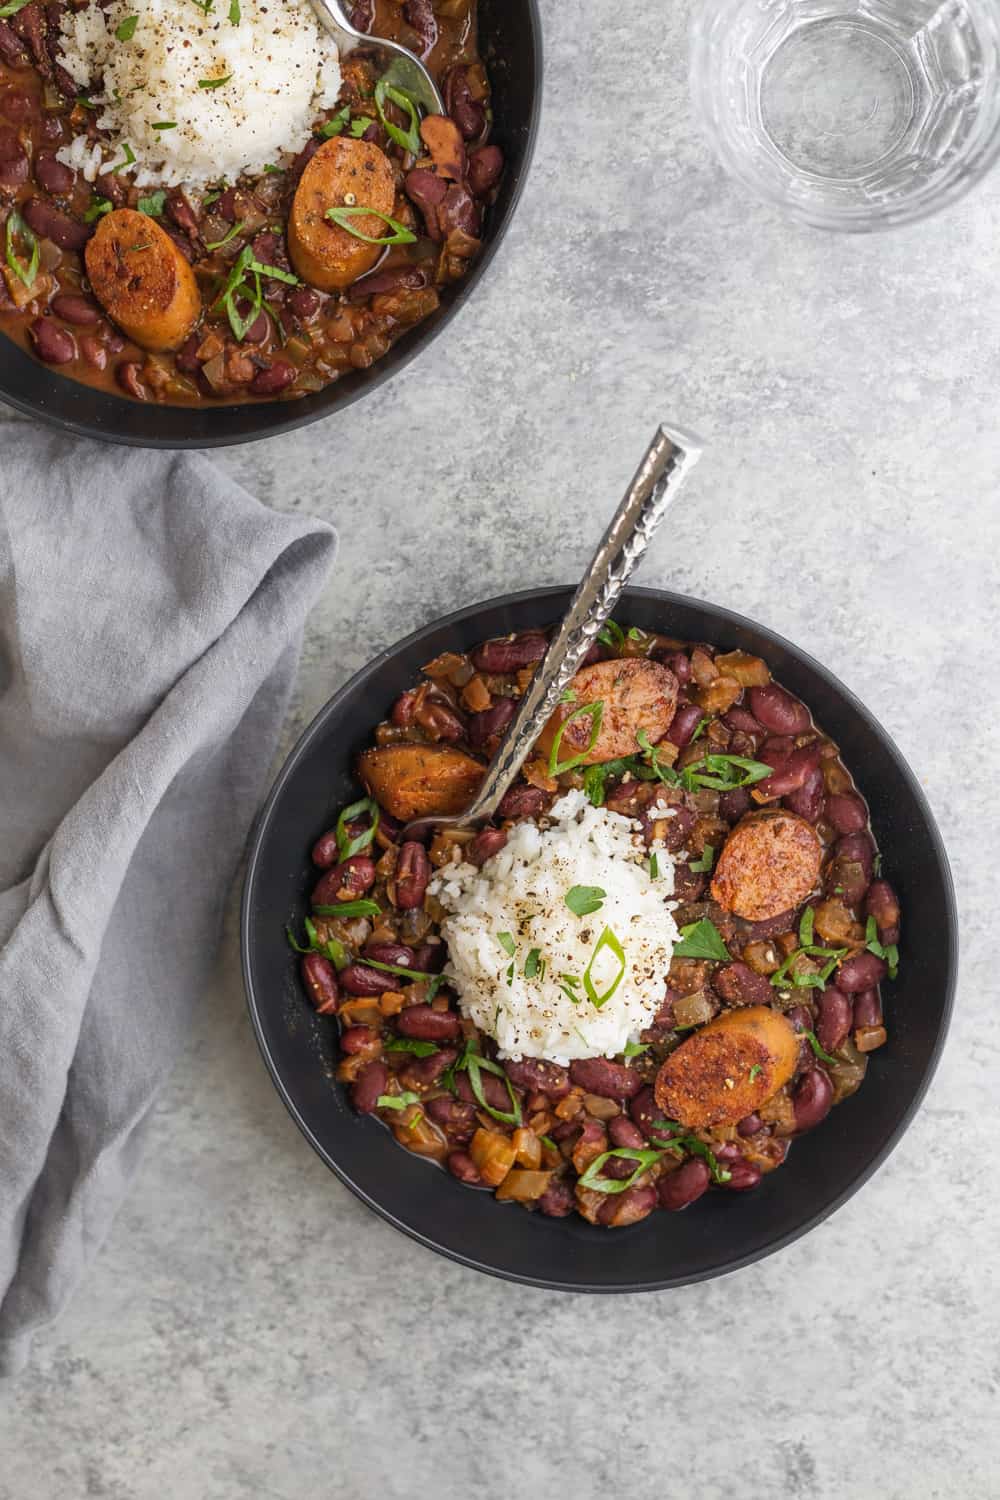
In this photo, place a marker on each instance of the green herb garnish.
(592, 1178)
(533, 963)
(11, 8)
(755, 1071)
(702, 940)
(723, 773)
(806, 923)
(409, 138)
(890, 953)
(410, 1044)
(332, 949)
(547, 1140)
(213, 83)
(654, 867)
(335, 124)
(235, 14)
(17, 229)
(126, 31)
(786, 977)
(396, 1101)
(609, 940)
(165, 125)
(635, 1049)
(128, 160)
(584, 899)
(611, 634)
(507, 943)
(475, 1065)
(153, 205)
(98, 207)
(348, 847)
(592, 711)
(814, 1044)
(702, 865)
(219, 244)
(400, 234)
(362, 908)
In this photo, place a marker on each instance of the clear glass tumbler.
(853, 114)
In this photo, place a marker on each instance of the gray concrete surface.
(251, 1330)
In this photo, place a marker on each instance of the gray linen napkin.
(151, 614)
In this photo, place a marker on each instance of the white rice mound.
(522, 891)
(284, 71)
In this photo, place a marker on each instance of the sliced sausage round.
(769, 864)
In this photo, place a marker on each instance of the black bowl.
(511, 44)
(720, 1232)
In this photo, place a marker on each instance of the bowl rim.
(730, 617)
(301, 413)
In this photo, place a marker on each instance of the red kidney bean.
(51, 130)
(509, 655)
(566, 1128)
(320, 979)
(778, 710)
(258, 330)
(785, 921)
(390, 953)
(790, 774)
(624, 1132)
(128, 375)
(867, 1009)
(483, 847)
(861, 972)
(738, 984)
(429, 958)
(807, 801)
(733, 805)
(812, 1099)
(677, 828)
(425, 1071)
(777, 748)
(494, 1090)
(55, 345)
(51, 223)
(93, 351)
(113, 342)
(420, 15)
(110, 185)
(679, 1189)
(626, 1208)
(303, 303)
(645, 1110)
(355, 1039)
(14, 55)
(882, 904)
(491, 723)
(76, 310)
(326, 851)
(558, 1200)
(278, 378)
(401, 712)
(738, 718)
(524, 802)
(427, 190)
(846, 813)
(678, 663)
(485, 166)
(439, 721)
(743, 1176)
(461, 1165)
(468, 114)
(689, 885)
(599, 1075)
(859, 847)
(14, 165)
(345, 882)
(727, 1153)
(53, 175)
(833, 1021)
(370, 1084)
(683, 724)
(742, 744)
(801, 1017)
(537, 1075)
(458, 1120)
(400, 279)
(413, 873)
(428, 1025)
(749, 1125)
(356, 979)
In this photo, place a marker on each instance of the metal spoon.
(666, 464)
(405, 71)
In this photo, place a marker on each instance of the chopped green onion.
(410, 1044)
(360, 125)
(11, 8)
(584, 899)
(273, 273)
(80, 99)
(533, 963)
(126, 31)
(814, 1044)
(348, 847)
(703, 724)
(335, 124)
(128, 160)
(235, 14)
(409, 138)
(361, 908)
(213, 83)
(592, 711)
(806, 923)
(475, 1064)
(592, 1178)
(547, 1140)
(396, 1101)
(654, 867)
(702, 940)
(635, 1049)
(98, 207)
(218, 244)
(18, 229)
(611, 634)
(507, 943)
(755, 1071)
(400, 235)
(609, 940)
(165, 125)
(702, 865)
(720, 772)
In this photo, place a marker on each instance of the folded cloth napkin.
(151, 614)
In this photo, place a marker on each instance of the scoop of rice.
(517, 901)
(280, 71)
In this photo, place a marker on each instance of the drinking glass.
(852, 114)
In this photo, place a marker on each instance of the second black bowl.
(511, 47)
(720, 1232)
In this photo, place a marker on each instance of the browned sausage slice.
(636, 694)
(769, 864)
(728, 1069)
(415, 781)
(142, 280)
(344, 173)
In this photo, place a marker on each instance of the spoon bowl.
(404, 71)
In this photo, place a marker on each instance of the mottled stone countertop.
(251, 1329)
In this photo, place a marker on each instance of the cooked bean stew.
(772, 1001)
(267, 298)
